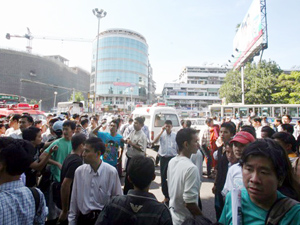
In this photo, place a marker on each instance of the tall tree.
(78, 97)
(288, 88)
(259, 83)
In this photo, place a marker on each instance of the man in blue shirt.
(17, 204)
(112, 143)
(167, 150)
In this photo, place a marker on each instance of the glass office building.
(122, 69)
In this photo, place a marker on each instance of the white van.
(155, 117)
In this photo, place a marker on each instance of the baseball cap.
(243, 137)
(58, 125)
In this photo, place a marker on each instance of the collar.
(98, 170)
(11, 185)
(142, 194)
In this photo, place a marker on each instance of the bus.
(271, 111)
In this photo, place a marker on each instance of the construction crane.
(29, 38)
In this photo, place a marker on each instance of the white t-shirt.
(183, 185)
(197, 159)
(234, 179)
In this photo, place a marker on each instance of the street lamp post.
(131, 90)
(54, 103)
(99, 14)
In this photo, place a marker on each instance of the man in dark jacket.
(138, 206)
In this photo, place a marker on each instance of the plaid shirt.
(17, 205)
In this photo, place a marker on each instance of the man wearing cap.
(234, 177)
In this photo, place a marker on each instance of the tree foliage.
(260, 82)
(288, 88)
(78, 97)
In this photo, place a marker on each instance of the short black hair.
(288, 128)
(30, 133)
(96, 144)
(75, 115)
(16, 117)
(278, 120)
(286, 138)
(250, 129)
(115, 122)
(84, 121)
(208, 120)
(269, 149)
(169, 122)
(53, 120)
(94, 118)
(288, 116)
(130, 120)
(140, 120)
(14, 157)
(188, 123)
(77, 140)
(257, 119)
(141, 171)
(69, 123)
(28, 117)
(268, 130)
(229, 126)
(185, 134)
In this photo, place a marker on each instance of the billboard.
(250, 38)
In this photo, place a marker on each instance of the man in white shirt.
(184, 178)
(167, 150)
(95, 183)
(13, 124)
(136, 145)
(25, 121)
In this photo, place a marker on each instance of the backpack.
(279, 209)
(36, 197)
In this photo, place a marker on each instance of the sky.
(179, 33)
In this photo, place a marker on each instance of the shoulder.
(82, 168)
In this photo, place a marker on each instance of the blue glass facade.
(122, 64)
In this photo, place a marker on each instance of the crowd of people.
(69, 171)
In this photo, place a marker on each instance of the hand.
(59, 166)
(214, 189)
(128, 141)
(63, 216)
(163, 128)
(119, 159)
(53, 149)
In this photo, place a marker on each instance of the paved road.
(207, 196)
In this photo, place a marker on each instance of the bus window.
(266, 111)
(292, 111)
(243, 112)
(277, 112)
(228, 111)
(216, 111)
(284, 112)
(161, 118)
(299, 112)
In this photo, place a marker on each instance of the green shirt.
(64, 149)
(254, 215)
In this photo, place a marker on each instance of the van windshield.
(161, 118)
